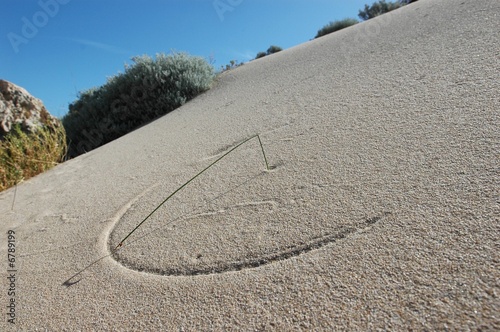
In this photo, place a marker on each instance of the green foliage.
(149, 88)
(231, 65)
(24, 155)
(261, 55)
(272, 49)
(378, 8)
(335, 26)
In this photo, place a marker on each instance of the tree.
(261, 55)
(273, 49)
(378, 8)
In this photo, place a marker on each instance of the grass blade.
(189, 181)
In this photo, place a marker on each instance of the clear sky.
(55, 48)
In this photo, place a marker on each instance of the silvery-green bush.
(336, 26)
(148, 89)
(380, 7)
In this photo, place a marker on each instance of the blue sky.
(55, 48)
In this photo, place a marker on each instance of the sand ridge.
(381, 213)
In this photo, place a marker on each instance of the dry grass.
(24, 155)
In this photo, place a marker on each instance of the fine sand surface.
(381, 210)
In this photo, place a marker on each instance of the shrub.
(24, 155)
(335, 26)
(231, 65)
(149, 88)
(378, 8)
(272, 49)
(261, 55)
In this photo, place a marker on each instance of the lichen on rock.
(18, 106)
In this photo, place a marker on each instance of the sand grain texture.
(382, 211)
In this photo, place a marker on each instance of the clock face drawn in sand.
(225, 238)
(231, 219)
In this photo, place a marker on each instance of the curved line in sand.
(272, 257)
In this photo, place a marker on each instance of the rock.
(18, 106)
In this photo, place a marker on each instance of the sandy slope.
(381, 211)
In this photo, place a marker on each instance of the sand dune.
(381, 211)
